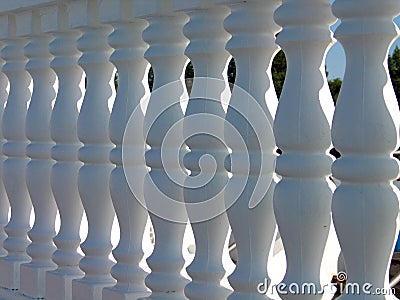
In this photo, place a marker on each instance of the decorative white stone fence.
(207, 159)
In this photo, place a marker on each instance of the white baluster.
(15, 165)
(209, 58)
(253, 102)
(302, 198)
(93, 179)
(166, 54)
(39, 150)
(64, 176)
(4, 204)
(365, 131)
(132, 68)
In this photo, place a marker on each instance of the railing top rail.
(7, 6)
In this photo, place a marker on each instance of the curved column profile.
(63, 129)
(128, 154)
(14, 168)
(94, 175)
(251, 112)
(206, 181)
(4, 203)
(365, 131)
(166, 55)
(302, 199)
(38, 170)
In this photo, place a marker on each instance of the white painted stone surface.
(4, 203)
(14, 167)
(365, 206)
(302, 199)
(94, 175)
(207, 150)
(365, 131)
(128, 154)
(166, 55)
(63, 128)
(251, 112)
(38, 170)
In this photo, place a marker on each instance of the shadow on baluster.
(166, 47)
(251, 111)
(128, 155)
(14, 168)
(203, 128)
(4, 203)
(64, 176)
(38, 171)
(94, 175)
(302, 198)
(365, 131)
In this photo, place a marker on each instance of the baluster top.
(186, 5)
(7, 6)
(153, 8)
(8, 26)
(112, 11)
(54, 18)
(28, 23)
(367, 17)
(230, 2)
(84, 13)
(299, 24)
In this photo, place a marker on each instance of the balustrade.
(180, 160)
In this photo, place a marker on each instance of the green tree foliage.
(151, 78)
(279, 71)
(232, 71)
(334, 86)
(394, 70)
(189, 72)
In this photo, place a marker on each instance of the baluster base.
(10, 271)
(204, 290)
(3, 236)
(166, 296)
(59, 284)
(118, 294)
(248, 296)
(33, 280)
(86, 289)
